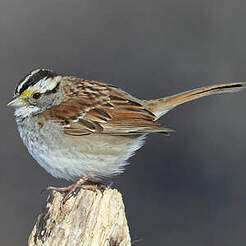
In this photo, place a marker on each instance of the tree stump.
(91, 218)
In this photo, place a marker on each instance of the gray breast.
(69, 157)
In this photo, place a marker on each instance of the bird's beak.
(16, 102)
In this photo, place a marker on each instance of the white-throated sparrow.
(84, 128)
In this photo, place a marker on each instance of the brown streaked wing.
(102, 108)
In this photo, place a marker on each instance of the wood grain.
(91, 218)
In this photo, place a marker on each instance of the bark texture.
(91, 218)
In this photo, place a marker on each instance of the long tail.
(161, 106)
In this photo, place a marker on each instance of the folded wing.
(101, 108)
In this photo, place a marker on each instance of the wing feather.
(101, 108)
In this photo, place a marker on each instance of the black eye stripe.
(37, 95)
(36, 77)
(54, 90)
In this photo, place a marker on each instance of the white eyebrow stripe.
(38, 79)
(46, 84)
(26, 79)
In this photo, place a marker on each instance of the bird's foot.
(73, 189)
(93, 186)
(70, 190)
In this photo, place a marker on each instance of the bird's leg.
(71, 189)
(90, 185)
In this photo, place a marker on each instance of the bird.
(86, 130)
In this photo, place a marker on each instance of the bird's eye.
(36, 95)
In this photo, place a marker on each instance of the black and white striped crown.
(32, 78)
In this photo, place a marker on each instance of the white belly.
(95, 156)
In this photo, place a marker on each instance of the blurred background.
(186, 189)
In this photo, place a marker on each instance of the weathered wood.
(91, 218)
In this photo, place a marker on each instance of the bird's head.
(36, 92)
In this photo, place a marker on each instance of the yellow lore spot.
(27, 93)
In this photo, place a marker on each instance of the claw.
(71, 190)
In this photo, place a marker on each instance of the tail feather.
(161, 106)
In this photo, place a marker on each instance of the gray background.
(187, 189)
